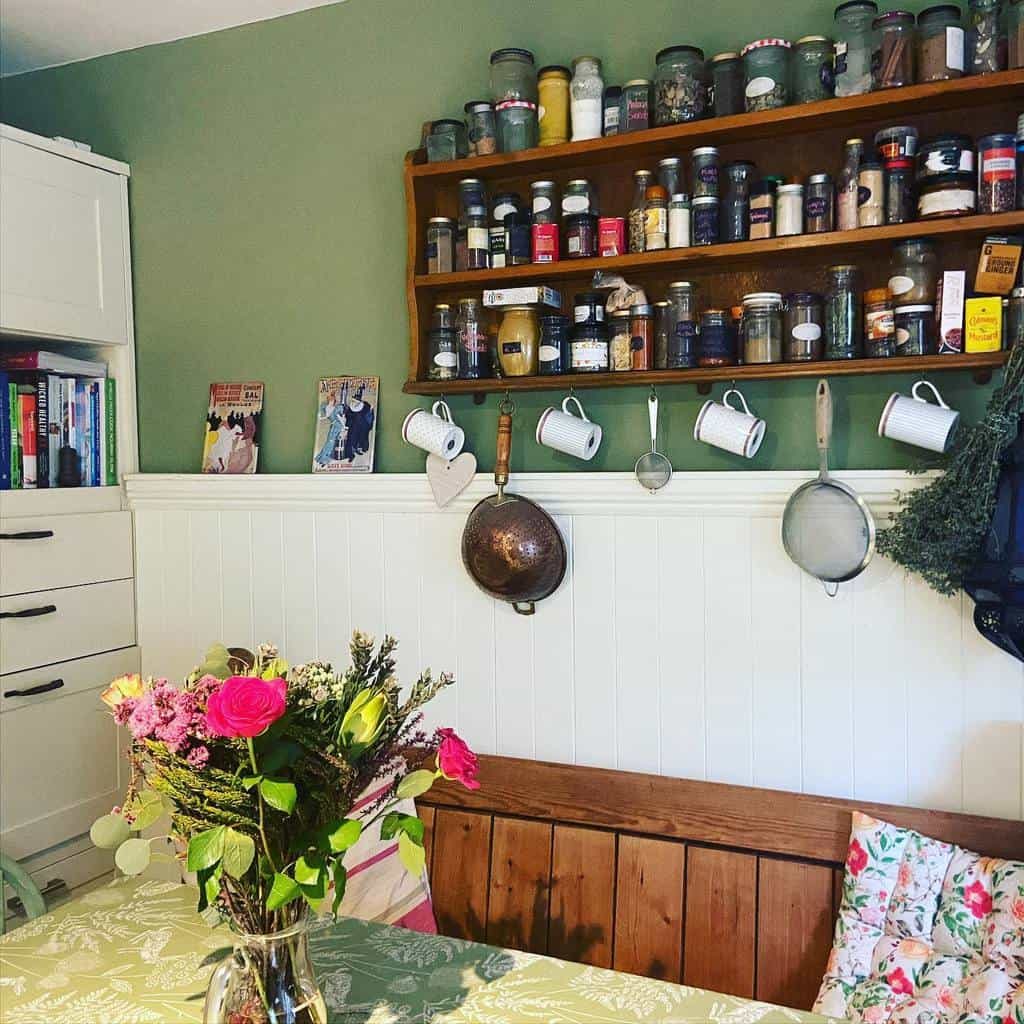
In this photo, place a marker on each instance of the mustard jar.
(518, 341)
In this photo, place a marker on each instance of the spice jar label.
(900, 284)
(636, 343)
(511, 348)
(760, 86)
(575, 204)
(816, 206)
(548, 353)
(541, 203)
(954, 48)
(446, 359)
(806, 331)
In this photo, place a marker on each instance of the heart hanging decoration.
(449, 479)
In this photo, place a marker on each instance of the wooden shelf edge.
(983, 363)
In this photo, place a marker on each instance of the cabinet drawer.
(59, 625)
(74, 676)
(58, 881)
(46, 552)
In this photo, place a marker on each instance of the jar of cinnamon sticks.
(892, 64)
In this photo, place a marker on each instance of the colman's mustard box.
(983, 326)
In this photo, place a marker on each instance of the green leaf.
(248, 781)
(314, 894)
(345, 835)
(308, 872)
(209, 886)
(205, 849)
(395, 823)
(282, 754)
(415, 784)
(283, 891)
(132, 856)
(340, 878)
(239, 853)
(147, 809)
(109, 832)
(281, 795)
(411, 855)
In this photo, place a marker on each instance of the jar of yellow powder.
(518, 341)
(553, 112)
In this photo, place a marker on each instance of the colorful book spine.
(54, 406)
(42, 420)
(14, 408)
(96, 447)
(27, 408)
(5, 433)
(83, 430)
(110, 432)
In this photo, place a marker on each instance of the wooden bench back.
(722, 887)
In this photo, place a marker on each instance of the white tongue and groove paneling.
(683, 641)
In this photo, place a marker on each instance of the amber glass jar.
(518, 341)
(553, 110)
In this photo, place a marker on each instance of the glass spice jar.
(620, 341)
(766, 74)
(519, 341)
(579, 197)
(663, 327)
(580, 236)
(670, 174)
(812, 69)
(482, 128)
(1020, 162)
(704, 171)
(553, 354)
(588, 308)
(637, 211)
(471, 331)
(802, 327)
(587, 89)
(915, 330)
(879, 324)
(899, 191)
(725, 91)
(717, 339)
(789, 210)
(679, 90)
(441, 316)
(478, 242)
(635, 113)
(762, 209)
(734, 208)
(544, 202)
(1015, 34)
(844, 313)
(656, 219)
(441, 245)
(442, 345)
(855, 45)
(447, 141)
(893, 62)
(682, 339)
(518, 239)
(997, 173)
(913, 271)
(847, 191)
(940, 44)
(588, 350)
(553, 105)
(679, 221)
(514, 92)
(819, 204)
(1015, 318)
(641, 331)
(946, 195)
(761, 329)
(611, 109)
(870, 194)
(986, 46)
(704, 220)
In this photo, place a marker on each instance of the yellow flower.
(121, 688)
(364, 719)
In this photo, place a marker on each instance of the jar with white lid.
(679, 221)
(587, 90)
(761, 327)
(789, 210)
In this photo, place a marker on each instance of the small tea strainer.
(653, 469)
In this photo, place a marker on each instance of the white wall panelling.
(683, 641)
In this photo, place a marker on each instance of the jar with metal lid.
(670, 175)
(553, 105)
(789, 210)
(762, 209)
(589, 349)
(946, 195)
(899, 191)
(819, 204)
(940, 44)
(761, 329)
(663, 328)
(518, 239)
(913, 271)
(704, 171)
(725, 89)
(813, 69)
(1015, 318)
(656, 219)
(579, 196)
(766, 74)
(915, 330)
(682, 336)
(580, 236)
(587, 89)
(588, 308)
(504, 203)
(679, 90)
(638, 210)
(544, 202)
(519, 341)
(611, 105)
(447, 141)
(704, 220)
(471, 331)
(545, 230)
(847, 191)
(879, 325)
(844, 313)
(641, 331)
(1020, 161)
(441, 316)
(514, 91)
(997, 173)
(482, 128)
(679, 221)
(717, 341)
(443, 349)
(1015, 35)
(892, 64)
(734, 209)
(635, 112)
(440, 245)
(855, 45)
(870, 194)
(898, 142)
(478, 243)
(620, 341)
(945, 154)
(986, 44)
(553, 355)
(802, 327)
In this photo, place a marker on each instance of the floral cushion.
(928, 933)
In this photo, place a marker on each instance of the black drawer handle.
(54, 684)
(27, 535)
(30, 613)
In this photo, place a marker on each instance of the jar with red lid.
(997, 173)
(766, 74)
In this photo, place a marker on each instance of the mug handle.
(743, 401)
(935, 392)
(445, 414)
(579, 407)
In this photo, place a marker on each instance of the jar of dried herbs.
(580, 196)
(725, 91)
(899, 191)
(813, 75)
(679, 90)
(844, 313)
(704, 220)
(637, 211)
(855, 45)
(986, 46)
(682, 337)
(892, 65)
(447, 141)
(915, 330)
(940, 44)
(766, 74)
(735, 205)
(482, 128)
(553, 105)
(514, 91)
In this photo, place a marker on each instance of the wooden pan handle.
(504, 449)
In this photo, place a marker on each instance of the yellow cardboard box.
(983, 324)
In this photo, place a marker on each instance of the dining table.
(137, 952)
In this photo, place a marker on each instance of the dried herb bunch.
(940, 529)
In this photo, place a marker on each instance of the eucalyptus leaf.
(109, 832)
(283, 891)
(415, 784)
(133, 856)
(147, 809)
(279, 794)
(205, 848)
(239, 853)
(345, 835)
(411, 855)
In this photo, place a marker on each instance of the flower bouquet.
(258, 766)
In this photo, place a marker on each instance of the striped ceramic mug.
(917, 421)
(725, 427)
(573, 435)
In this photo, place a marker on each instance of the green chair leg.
(12, 874)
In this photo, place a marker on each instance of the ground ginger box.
(997, 266)
(983, 322)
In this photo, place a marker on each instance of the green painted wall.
(268, 215)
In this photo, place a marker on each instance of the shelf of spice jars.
(981, 364)
(959, 95)
(727, 256)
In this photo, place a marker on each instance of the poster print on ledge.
(346, 424)
(232, 443)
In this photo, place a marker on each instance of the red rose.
(899, 982)
(856, 858)
(455, 761)
(245, 706)
(977, 900)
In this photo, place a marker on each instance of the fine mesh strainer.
(653, 469)
(827, 529)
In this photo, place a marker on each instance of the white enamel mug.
(573, 435)
(723, 426)
(434, 431)
(917, 421)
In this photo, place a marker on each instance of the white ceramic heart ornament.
(448, 479)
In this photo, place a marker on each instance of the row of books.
(58, 422)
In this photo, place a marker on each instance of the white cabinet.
(63, 271)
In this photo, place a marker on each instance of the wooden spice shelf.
(982, 363)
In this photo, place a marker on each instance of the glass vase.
(268, 979)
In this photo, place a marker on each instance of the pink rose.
(245, 706)
(455, 761)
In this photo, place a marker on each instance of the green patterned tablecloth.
(136, 952)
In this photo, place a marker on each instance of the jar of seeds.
(813, 77)
(679, 91)
(637, 211)
(620, 347)
(766, 74)
(997, 173)
(483, 129)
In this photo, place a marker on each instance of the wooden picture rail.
(722, 887)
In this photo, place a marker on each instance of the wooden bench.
(722, 887)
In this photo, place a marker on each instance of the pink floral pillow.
(927, 933)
